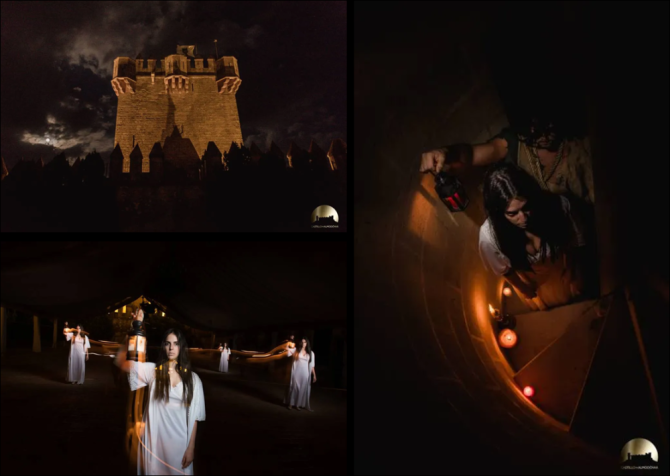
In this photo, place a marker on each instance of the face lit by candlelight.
(518, 212)
(172, 347)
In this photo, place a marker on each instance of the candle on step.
(507, 338)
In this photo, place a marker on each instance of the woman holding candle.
(531, 237)
(79, 345)
(176, 404)
(303, 368)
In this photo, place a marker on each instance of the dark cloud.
(57, 59)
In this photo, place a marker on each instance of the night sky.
(57, 61)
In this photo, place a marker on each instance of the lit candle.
(528, 391)
(494, 312)
(507, 338)
(507, 291)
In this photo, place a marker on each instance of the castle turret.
(227, 75)
(124, 79)
(176, 74)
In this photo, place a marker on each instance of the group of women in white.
(176, 404)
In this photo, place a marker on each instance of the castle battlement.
(175, 70)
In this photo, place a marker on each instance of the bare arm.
(191, 445)
(459, 156)
(121, 360)
(484, 154)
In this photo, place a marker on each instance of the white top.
(499, 264)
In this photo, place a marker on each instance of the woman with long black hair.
(530, 237)
(176, 404)
(302, 369)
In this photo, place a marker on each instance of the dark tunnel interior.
(435, 393)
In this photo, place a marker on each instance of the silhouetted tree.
(237, 158)
(58, 172)
(301, 161)
(92, 169)
(271, 163)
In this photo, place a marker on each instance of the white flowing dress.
(167, 428)
(223, 365)
(76, 365)
(300, 387)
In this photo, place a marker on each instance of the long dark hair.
(298, 347)
(162, 389)
(504, 182)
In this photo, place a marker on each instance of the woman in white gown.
(303, 367)
(225, 357)
(176, 403)
(76, 365)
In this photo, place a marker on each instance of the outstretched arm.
(121, 360)
(459, 156)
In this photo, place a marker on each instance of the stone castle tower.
(181, 102)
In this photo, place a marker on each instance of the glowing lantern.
(507, 338)
(507, 291)
(451, 192)
(528, 391)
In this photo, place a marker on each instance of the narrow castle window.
(145, 165)
(126, 166)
